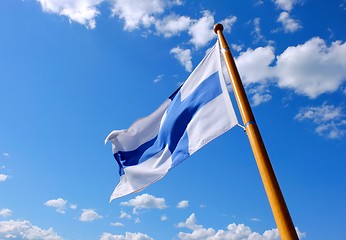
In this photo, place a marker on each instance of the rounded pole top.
(218, 27)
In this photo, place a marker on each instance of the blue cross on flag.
(198, 112)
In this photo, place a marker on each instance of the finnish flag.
(196, 113)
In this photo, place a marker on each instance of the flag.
(196, 113)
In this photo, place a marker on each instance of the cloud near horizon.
(233, 231)
(23, 229)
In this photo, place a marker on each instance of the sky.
(73, 71)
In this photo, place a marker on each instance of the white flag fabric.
(198, 112)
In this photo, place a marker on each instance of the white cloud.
(309, 69)
(254, 65)
(228, 23)
(5, 212)
(89, 215)
(127, 236)
(81, 11)
(73, 206)
(117, 224)
(137, 220)
(312, 68)
(259, 98)
(124, 215)
(172, 25)
(274, 234)
(158, 78)
(329, 120)
(190, 223)
(145, 201)
(255, 219)
(289, 24)
(59, 204)
(258, 2)
(183, 204)
(183, 56)
(164, 218)
(3, 177)
(259, 94)
(25, 230)
(147, 13)
(201, 30)
(257, 30)
(286, 5)
(237, 47)
(233, 231)
(343, 5)
(6, 154)
(140, 13)
(137, 14)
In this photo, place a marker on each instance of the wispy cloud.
(259, 94)
(343, 5)
(258, 2)
(73, 206)
(3, 177)
(329, 120)
(237, 47)
(183, 204)
(164, 218)
(255, 219)
(137, 220)
(117, 224)
(257, 32)
(5, 212)
(286, 5)
(158, 78)
(228, 23)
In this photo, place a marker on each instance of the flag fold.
(196, 113)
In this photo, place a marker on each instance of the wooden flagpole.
(276, 200)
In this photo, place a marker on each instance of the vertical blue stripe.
(173, 130)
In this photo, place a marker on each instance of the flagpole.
(276, 200)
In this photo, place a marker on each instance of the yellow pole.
(276, 200)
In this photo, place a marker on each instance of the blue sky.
(72, 71)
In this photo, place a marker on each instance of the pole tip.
(218, 27)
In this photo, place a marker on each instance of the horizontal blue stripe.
(129, 158)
